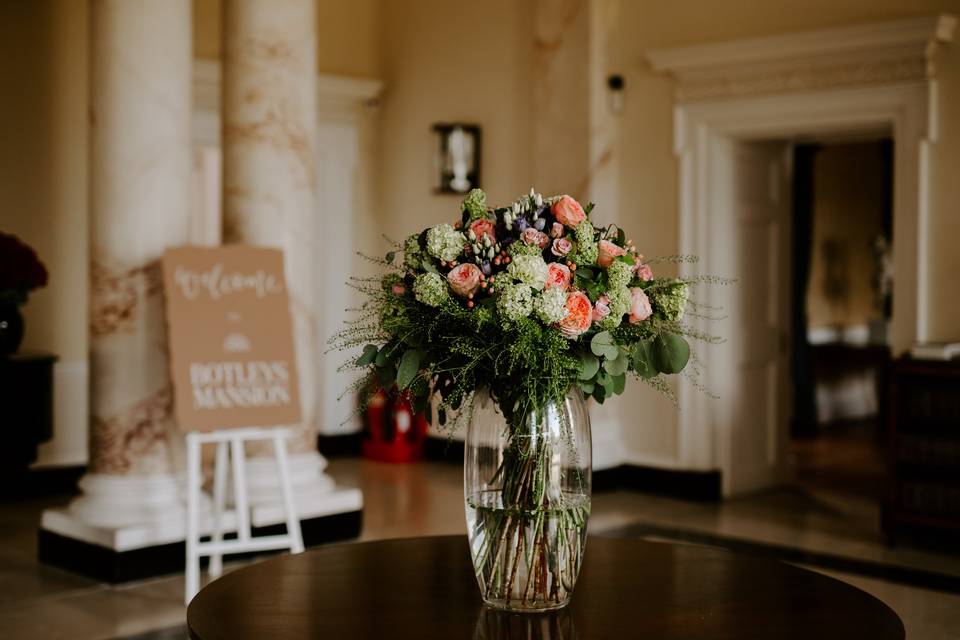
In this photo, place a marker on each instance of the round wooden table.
(425, 588)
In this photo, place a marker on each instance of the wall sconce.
(615, 86)
(458, 159)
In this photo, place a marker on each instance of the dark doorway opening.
(841, 309)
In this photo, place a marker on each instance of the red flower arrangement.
(21, 271)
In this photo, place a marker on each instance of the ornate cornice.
(867, 55)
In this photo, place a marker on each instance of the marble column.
(139, 201)
(269, 182)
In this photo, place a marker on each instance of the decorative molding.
(866, 55)
(901, 109)
(332, 91)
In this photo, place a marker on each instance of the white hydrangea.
(444, 242)
(430, 289)
(551, 305)
(515, 301)
(619, 274)
(531, 270)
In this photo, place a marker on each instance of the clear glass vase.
(527, 494)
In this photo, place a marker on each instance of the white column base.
(312, 488)
(119, 501)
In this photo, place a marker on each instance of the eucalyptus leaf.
(585, 273)
(618, 365)
(589, 364)
(409, 366)
(670, 353)
(603, 345)
(619, 383)
(586, 387)
(390, 256)
(642, 360)
(369, 355)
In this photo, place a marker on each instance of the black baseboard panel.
(443, 450)
(116, 567)
(340, 446)
(701, 486)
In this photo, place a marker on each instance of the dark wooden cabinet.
(922, 413)
(26, 409)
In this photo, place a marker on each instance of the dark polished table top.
(425, 588)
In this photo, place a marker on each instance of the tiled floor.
(401, 500)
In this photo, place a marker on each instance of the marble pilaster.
(269, 182)
(139, 189)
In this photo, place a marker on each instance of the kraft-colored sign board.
(230, 338)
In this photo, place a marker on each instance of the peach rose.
(561, 247)
(568, 211)
(608, 251)
(484, 227)
(533, 237)
(601, 308)
(556, 230)
(579, 315)
(464, 279)
(644, 272)
(398, 289)
(558, 275)
(640, 308)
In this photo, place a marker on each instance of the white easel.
(236, 438)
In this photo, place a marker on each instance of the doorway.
(728, 169)
(841, 304)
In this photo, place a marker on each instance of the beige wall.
(452, 61)
(43, 177)
(848, 201)
(347, 35)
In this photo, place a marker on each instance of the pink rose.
(601, 308)
(568, 211)
(561, 247)
(483, 227)
(556, 230)
(464, 279)
(558, 275)
(533, 237)
(398, 289)
(639, 306)
(644, 272)
(579, 315)
(609, 251)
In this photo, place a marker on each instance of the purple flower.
(522, 224)
(485, 268)
(540, 224)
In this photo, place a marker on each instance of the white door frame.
(903, 109)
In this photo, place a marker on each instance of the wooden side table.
(26, 403)
(425, 588)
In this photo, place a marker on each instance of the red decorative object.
(394, 433)
(21, 270)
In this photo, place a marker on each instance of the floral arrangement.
(527, 301)
(21, 271)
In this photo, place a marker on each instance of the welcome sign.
(230, 338)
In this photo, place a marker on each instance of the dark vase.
(11, 328)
